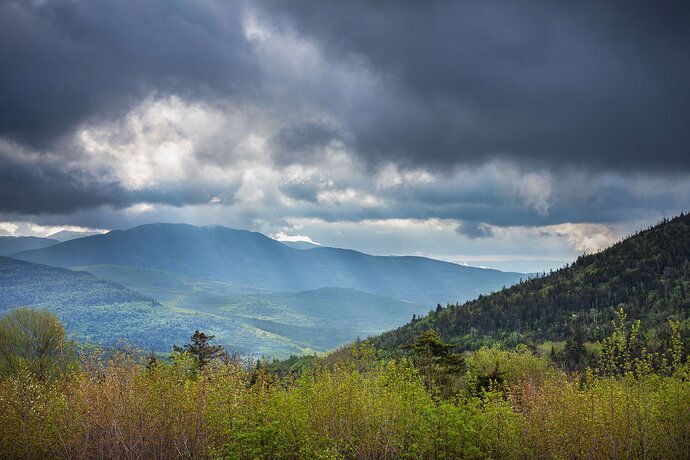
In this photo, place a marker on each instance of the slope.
(106, 313)
(318, 319)
(252, 260)
(647, 274)
(11, 244)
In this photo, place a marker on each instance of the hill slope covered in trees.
(106, 313)
(647, 275)
(101, 311)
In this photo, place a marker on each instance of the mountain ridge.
(12, 244)
(253, 259)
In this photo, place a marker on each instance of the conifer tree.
(201, 349)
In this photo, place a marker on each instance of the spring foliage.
(356, 406)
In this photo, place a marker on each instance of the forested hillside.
(648, 275)
(102, 312)
(312, 320)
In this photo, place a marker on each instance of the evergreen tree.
(200, 348)
(574, 353)
(434, 359)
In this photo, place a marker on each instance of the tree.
(200, 349)
(574, 353)
(34, 340)
(435, 360)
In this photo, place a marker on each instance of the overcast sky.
(514, 135)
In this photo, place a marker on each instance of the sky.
(511, 135)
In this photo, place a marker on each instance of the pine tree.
(200, 348)
(435, 360)
(574, 352)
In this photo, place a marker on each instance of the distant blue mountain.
(254, 260)
(10, 244)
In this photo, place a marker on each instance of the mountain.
(10, 244)
(66, 235)
(251, 260)
(300, 244)
(647, 274)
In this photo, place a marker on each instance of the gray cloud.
(474, 230)
(67, 61)
(484, 113)
(595, 84)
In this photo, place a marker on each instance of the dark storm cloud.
(27, 188)
(64, 61)
(44, 186)
(300, 143)
(598, 84)
(440, 86)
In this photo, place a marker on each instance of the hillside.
(103, 312)
(318, 319)
(647, 274)
(252, 260)
(106, 313)
(11, 244)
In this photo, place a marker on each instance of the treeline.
(648, 275)
(201, 403)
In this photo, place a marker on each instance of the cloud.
(33, 229)
(65, 62)
(280, 236)
(588, 84)
(474, 230)
(486, 117)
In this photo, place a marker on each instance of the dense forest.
(159, 309)
(647, 274)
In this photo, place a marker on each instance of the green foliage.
(436, 363)
(361, 407)
(33, 341)
(200, 348)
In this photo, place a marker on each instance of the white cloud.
(281, 236)
(8, 228)
(32, 229)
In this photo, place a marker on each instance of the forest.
(647, 274)
(58, 401)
